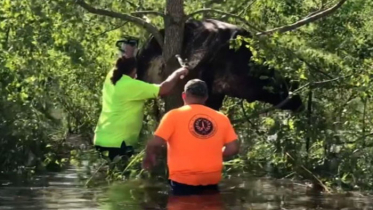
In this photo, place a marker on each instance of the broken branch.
(313, 175)
(201, 11)
(304, 21)
(136, 20)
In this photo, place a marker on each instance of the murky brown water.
(64, 191)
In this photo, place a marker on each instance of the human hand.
(182, 72)
(148, 162)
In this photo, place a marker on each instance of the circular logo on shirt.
(202, 126)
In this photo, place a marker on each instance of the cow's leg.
(215, 101)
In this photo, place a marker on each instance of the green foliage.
(55, 55)
(332, 59)
(52, 63)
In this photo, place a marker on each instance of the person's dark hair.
(196, 88)
(123, 66)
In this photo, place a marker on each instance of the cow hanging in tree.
(227, 72)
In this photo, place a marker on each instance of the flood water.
(63, 190)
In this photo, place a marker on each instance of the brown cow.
(227, 72)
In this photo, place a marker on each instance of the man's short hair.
(197, 88)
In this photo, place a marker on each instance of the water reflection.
(210, 202)
(64, 190)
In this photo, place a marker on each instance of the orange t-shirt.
(195, 136)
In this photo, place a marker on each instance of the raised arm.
(167, 85)
(142, 90)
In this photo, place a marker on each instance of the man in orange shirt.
(195, 136)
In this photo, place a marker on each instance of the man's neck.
(195, 103)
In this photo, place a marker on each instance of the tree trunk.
(173, 39)
(309, 120)
(365, 100)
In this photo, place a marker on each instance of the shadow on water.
(63, 190)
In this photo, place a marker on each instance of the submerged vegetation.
(54, 56)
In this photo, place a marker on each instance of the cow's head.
(238, 80)
(273, 88)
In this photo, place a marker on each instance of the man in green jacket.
(123, 99)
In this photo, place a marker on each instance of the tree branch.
(201, 11)
(147, 13)
(136, 20)
(133, 5)
(314, 67)
(236, 10)
(112, 29)
(247, 7)
(304, 21)
(248, 119)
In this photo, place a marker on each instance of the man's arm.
(232, 148)
(161, 136)
(231, 143)
(143, 90)
(167, 85)
(152, 150)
